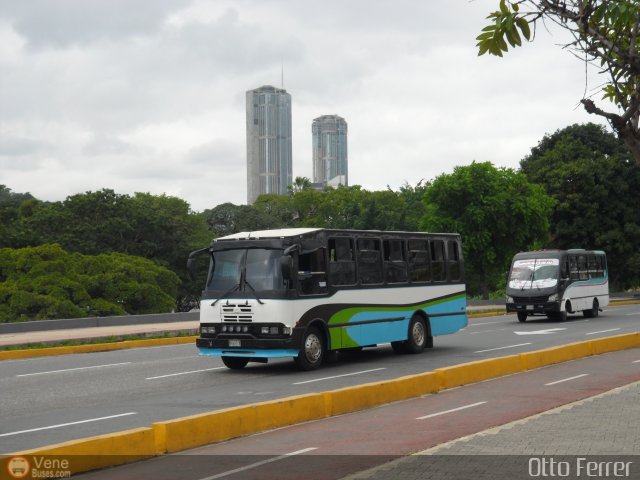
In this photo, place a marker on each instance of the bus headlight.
(287, 330)
(553, 298)
(208, 329)
(509, 299)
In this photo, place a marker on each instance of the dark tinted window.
(369, 261)
(395, 265)
(419, 267)
(312, 275)
(437, 261)
(453, 260)
(342, 266)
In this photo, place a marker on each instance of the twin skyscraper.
(269, 147)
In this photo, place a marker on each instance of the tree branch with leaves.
(606, 33)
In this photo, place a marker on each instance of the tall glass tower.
(269, 149)
(330, 166)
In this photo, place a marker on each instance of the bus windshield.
(534, 273)
(247, 269)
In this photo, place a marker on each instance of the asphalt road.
(54, 399)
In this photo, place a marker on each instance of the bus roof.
(296, 232)
(279, 233)
(555, 253)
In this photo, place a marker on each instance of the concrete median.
(197, 430)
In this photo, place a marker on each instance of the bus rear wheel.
(417, 335)
(235, 363)
(313, 349)
(593, 312)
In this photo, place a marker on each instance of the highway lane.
(54, 399)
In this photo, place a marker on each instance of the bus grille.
(530, 300)
(236, 312)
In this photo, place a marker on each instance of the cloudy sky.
(149, 95)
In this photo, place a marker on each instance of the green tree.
(596, 185)
(46, 282)
(300, 184)
(413, 197)
(605, 33)
(497, 212)
(157, 227)
(11, 205)
(228, 218)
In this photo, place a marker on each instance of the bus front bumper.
(534, 308)
(247, 348)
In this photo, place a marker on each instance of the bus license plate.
(234, 343)
(529, 307)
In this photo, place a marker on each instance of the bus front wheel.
(522, 316)
(235, 363)
(312, 352)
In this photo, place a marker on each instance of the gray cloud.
(149, 95)
(65, 23)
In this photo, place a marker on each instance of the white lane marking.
(631, 314)
(338, 376)
(546, 331)
(566, 379)
(451, 411)
(258, 464)
(184, 373)
(636, 361)
(73, 369)
(484, 323)
(67, 424)
(603, 331)
(502, 348)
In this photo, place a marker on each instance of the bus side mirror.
(191, 262)
(286, 267)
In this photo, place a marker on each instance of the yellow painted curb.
(617, 342)
(551, 355)
(479, 370)
(93, 453)
(197, 430)
(202, 429)
(93, 347)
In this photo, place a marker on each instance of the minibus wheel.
(593, 312)
(522, 316)
(235, 363)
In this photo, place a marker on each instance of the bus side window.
(573, 268)
(369, 261)
(582, 267)
(600, 265)
(395, 264)
(592, 266)
(342, 266)
(453, 260)
(419, 267)
(312, 275)
(437, 261)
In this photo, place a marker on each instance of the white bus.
(558, 282)
(307, 293)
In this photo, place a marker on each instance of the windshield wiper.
(246, 282)
(231, 290)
